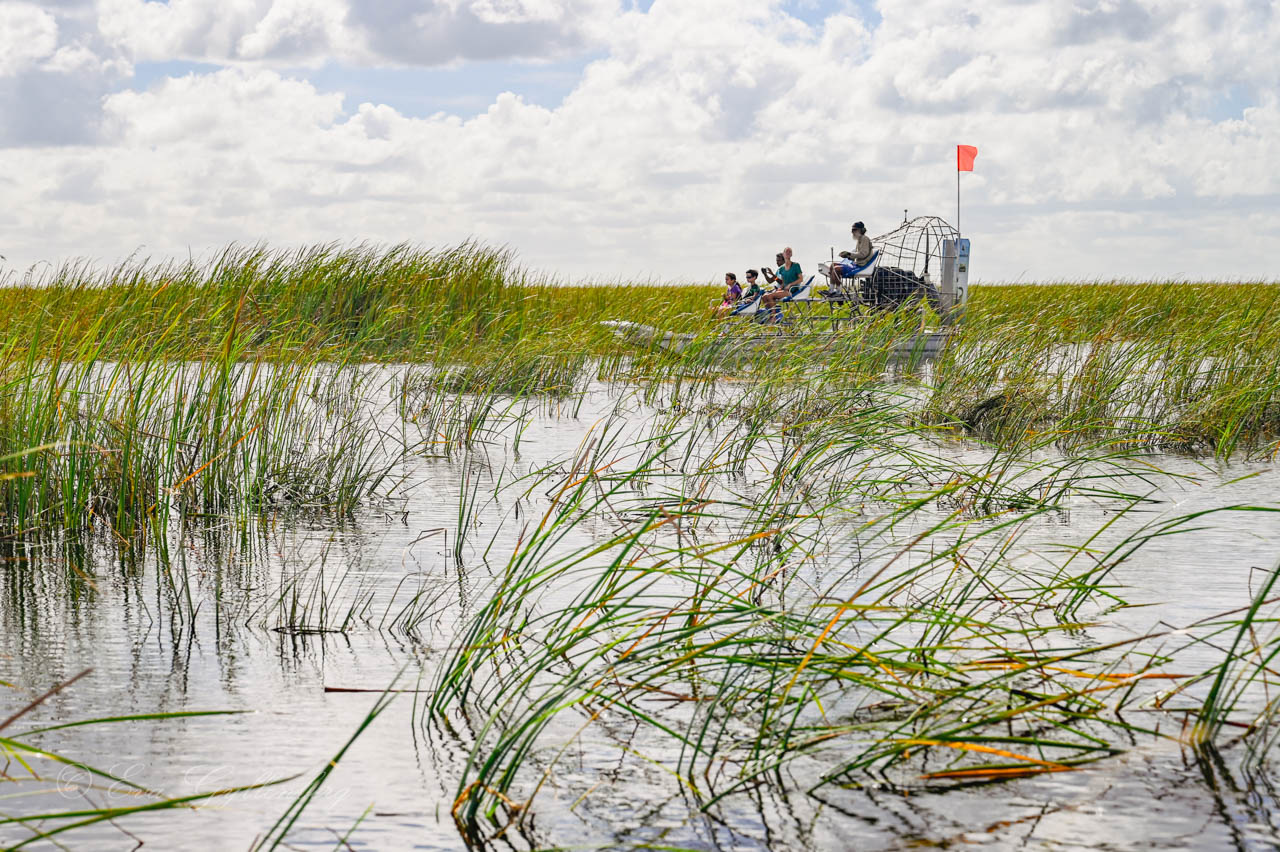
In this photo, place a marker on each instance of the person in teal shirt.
(787, 278)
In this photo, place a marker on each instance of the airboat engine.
(908, 258)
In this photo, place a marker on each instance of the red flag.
(965, 155)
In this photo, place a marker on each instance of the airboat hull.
(922, 344)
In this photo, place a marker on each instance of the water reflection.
(292, 616)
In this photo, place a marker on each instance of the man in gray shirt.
(853, 261)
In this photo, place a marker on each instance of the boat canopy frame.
(917, 245)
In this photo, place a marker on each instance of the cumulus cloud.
(403, 32)
(54, 71)
(222, 30)
(417, 33)
(707, 134)
(27, 35)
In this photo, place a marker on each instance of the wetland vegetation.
(629, 598)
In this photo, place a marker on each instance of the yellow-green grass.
(145, 386)
(1189, 366)
(409, 303)
(1228, 312)
(395, 304)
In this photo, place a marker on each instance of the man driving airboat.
(852, 262)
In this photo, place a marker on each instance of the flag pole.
(957, 200)
(965, 155)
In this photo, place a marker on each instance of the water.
(236, 647)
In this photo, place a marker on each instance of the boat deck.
(924, 343)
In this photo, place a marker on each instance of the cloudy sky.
(638, 138)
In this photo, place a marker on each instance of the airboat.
(922, 261)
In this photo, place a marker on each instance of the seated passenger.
(778, 260)
(732, 293)
(852, 261)
(754, 290)
(787, 279)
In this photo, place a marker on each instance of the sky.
(646, 139)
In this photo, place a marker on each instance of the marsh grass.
(1183, 367)
(403, 303)
(794, 579)
(859, 616)
(1191, 365)
(126, 445)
